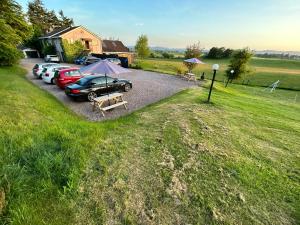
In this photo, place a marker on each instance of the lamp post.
(215, 67)
(232, 72)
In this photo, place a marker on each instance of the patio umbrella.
(194, 61)
(103, 67)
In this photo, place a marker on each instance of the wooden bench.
(115, 105)
(114, 99)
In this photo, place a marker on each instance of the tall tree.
(46, 20)
(142, 47)
(239, 65)
(43, 21)
(13, 29)
(65, 21)
(38, 16)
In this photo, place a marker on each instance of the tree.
(192, 51)
(37, 15)
(43, 21)
(142, 47)
(228, 53)
(13, 29)
(65, 21)
(219, 53)
(46, 20)
(239, 64)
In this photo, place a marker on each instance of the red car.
(67, 76)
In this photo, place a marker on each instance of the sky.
(257, 24)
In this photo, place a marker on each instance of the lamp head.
(215, 67)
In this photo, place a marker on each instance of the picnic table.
(114, 99)
(190, 76)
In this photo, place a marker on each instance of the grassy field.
(265, 71)
(180, 161)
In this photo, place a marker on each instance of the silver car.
(51, 58)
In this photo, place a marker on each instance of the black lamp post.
(215, 67)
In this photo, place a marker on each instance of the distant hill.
(274, 52)
(256, 52)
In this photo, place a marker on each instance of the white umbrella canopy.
(103, 67)
(194, 60)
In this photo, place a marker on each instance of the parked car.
(51, 58)
(80, 60)
(92, 86)
(91, 59)
(67, 76)
(114, 60)
(48, 75)
(38, 68)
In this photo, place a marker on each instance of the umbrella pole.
(106, 88)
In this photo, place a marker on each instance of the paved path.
(148, 87)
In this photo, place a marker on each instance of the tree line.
(19, 28)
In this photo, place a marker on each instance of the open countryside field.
(265, 71)
(179, 161)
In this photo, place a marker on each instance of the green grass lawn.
(179, 161)
(265, 71)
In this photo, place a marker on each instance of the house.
(116, 47)
(92, 42)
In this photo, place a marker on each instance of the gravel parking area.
(148, 87)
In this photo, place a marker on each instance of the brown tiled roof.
(113, 46)
(58, 31)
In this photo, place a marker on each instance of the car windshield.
(82, 81)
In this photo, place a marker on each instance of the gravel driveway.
(148, 87)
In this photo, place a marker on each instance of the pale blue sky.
(258, 24)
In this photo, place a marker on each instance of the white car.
(48, 74)
(38, 68)
(51, 58)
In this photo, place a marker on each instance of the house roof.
(62, 30)
(113, 46)
(58, 32)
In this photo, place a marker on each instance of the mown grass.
(179, 161)
(264, 71)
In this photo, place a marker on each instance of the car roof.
(69, 69)
(59, 65)
(43, 64)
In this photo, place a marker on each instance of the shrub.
(137, 66)
(179, 70)
(167, 55)
(9, 55)
(72, 50)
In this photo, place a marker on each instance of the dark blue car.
(80, 60)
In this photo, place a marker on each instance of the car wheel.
(52, 81)
(91, 96)
(127, 87)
